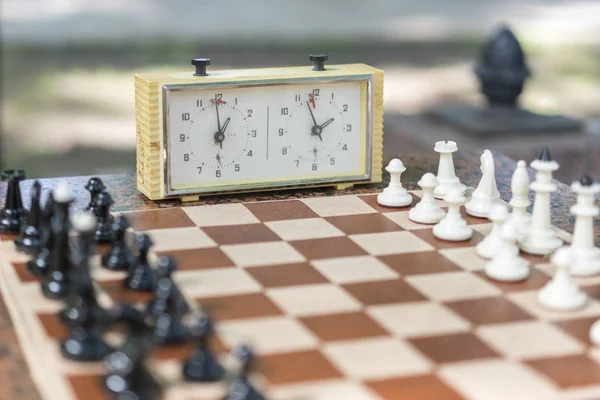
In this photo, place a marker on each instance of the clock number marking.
(182, 137)
(284, 151)
(198, 103)
(297, 97)
(185, 116)
(297, 162)
(345, 147)
(218, 97)
(237, 167)
(186, 157)
(316, 92)
(332, 161)
(218, 173)
(235, 101)
(249, 113)
(253, 132)
(345, 107)
(332, 95)
(250, 153)
(284, 111)
(280, 131)
(314, 167)
(348, 128)
(199, 170)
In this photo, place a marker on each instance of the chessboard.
(340, 299)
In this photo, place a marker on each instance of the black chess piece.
(120, 257)
(165, 267)
(95, 186)
(39, 265)
(29, 241)
(202, 365)
(13, 215)
(586, 180)
(241, 388)
(104, 232)
(545, 155)
(163, 309)
(140, 276)
(502, 69)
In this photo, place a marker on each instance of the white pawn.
(494, 243)
(446, 176)
(520, 199)
(561, 293)
(427, 210)
(63, 193)
(395, 195)
(453, 227)
(595, 333)
(486, 195)
(507, 265)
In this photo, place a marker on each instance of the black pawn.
(202, 366)
(95, 186)
(586, 180)
(40, 264)
(241, 388)
(13, 215)
(119, 258)
(162, 309)
(140, 277)
(165, 267)
(104, 232)
(545, 155)
(29, 241)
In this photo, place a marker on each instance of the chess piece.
(12, 216)
(394, 195)
(427, 211)
(446, 176)
(595, 333)
(453, 227)
(120, 257)
(140, 277)
(562, 293)
(486, 195)
(520, 199)
(39, 265)
(95, 186)
(29, 241)
(104, 232)
(540, 237)
(202, 365)
(165, 267)
(585, 256)
(493, 243)
(241, 388)
(507, 265)
(163, 309)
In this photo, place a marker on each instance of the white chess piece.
(541, 238)
(486, 195)
(595, 333)
(453, 227)
(562, 293)
(446, 176)
(585, 256)
(507, 265)
(427, 211)
(63, 193)
(395, 195)
(494, 243)
(520, 199)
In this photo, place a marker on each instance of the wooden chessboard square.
(465, 257)
(383, 292)
(88, 386)
(338, 205)
(495, 379)
(401, 218)
(427, 236)
(391, 243)
(529, 340)
(267, 335)
(454, 347)
(179, 239)
(343, 326)
(376, 358)
(314, 249)
(297, 366)
(164, 218)
(371, 199)
(328, 389)
(240, 306)
(578, 328)
(364, 223)
(268, 211)
(23, 273)
(491, 310)
(354, 269)
(195, 259)
(117, 291)
(238, 234)
(216, 282)
(220, 215)
(418, 319)
(420, 387)
(535, 281)
(423, 262)
(261, 254)
(52, 325)
(300, 229)
(312, 300)
(8, 237)
(568, 372)
(286, 275)
(527, 300)
(451, 286)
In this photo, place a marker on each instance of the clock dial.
(274, 134)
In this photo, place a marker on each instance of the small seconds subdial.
(315, 128)
(217, 136)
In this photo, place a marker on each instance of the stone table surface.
(14, 377)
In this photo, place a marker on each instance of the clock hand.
(218, 120)
(225, 124)
(219, 159)
(311, 114)
(329, 121)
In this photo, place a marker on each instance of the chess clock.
(203, 132)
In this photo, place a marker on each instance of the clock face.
(271, 135)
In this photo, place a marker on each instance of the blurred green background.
(68, 65)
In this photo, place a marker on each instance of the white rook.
(447, 180)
